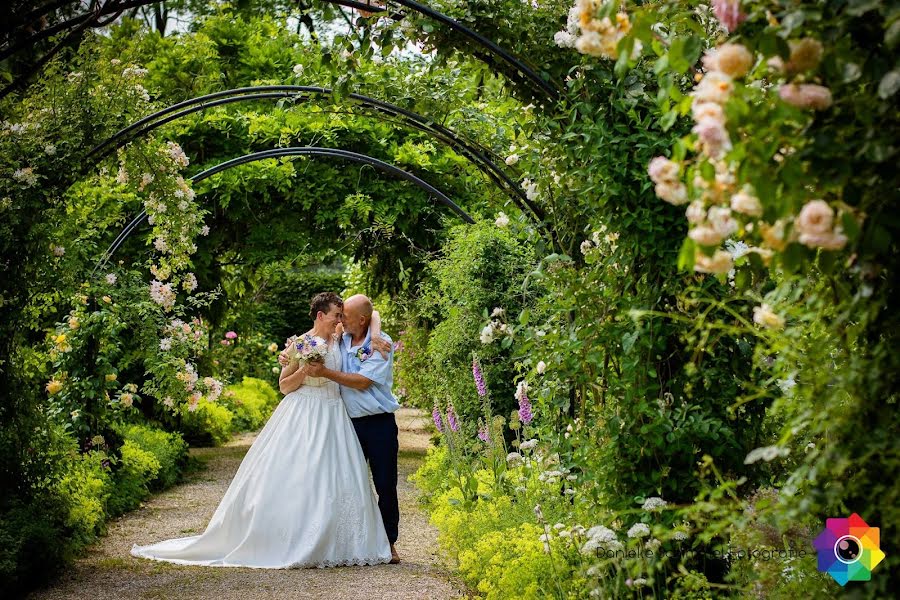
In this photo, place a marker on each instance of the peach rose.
(746, 204)
(720, 262)
(733, 60)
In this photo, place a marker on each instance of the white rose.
(826, 241)
(502, 220)
(662, 170)
(696, 213)
(718, 263)
(746, 203)
(672, 193)
(512, 159)
(721, 220)
(487, 334)
(706, 235)
(763, 315)
(541, 367)
(707, 111)
(714, 87)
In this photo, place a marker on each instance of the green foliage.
(168, 448)
(209, 424)
(482, 268)
(283, 297)
(251, 402)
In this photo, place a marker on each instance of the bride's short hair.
(323, 302)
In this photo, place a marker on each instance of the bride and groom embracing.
(302, 497)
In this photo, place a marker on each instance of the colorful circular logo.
(848, 549)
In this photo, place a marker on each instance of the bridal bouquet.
(307, 348)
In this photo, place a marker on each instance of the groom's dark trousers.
(378, 437)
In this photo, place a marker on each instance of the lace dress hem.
(327, 564)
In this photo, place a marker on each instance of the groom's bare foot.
(395, 558)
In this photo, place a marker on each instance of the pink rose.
(662, 170)
(815, 218)
(729, 14)
(713, 137)
(827, 241)
(806, 95)
(230, 335)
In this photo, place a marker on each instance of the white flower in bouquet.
(307, 348)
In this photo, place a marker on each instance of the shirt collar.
(348, 340)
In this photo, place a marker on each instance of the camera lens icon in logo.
(848, 549)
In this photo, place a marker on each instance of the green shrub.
(483, 267)
(136, 468)
(251, 402)
(33, 542)
(169, 449)
(85, 488)
(210, 424)
(510, 563)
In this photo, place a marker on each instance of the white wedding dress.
(301, 497)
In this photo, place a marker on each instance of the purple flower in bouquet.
(479, 377)
(309, 347)
(436, 415)
(451, 419)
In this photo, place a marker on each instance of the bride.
(301, 497)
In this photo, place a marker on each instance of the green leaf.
(684, 52)
(850, 225)
(686, 255)
(668, 120)
(772, 44)
(859, 7)
(892, 35)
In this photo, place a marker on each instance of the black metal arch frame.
(294, 151)
(482, 157)
(107, 11)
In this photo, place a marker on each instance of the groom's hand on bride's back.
(383, 346)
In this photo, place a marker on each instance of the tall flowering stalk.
(525, 413)
(483, 432)
(436, 416)
(479, 377)
(452, 421)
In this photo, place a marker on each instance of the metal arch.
(480, 156)
(494, 54)
(293, 151)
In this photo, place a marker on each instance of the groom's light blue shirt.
(378, 398)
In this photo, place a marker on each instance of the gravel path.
(108, 571)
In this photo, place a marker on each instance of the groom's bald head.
(361, 304)
(357, 314)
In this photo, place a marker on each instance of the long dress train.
(301, 497)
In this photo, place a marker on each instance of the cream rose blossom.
(763, 315)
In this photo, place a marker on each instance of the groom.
(366, 378)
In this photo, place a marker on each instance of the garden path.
(108, 572)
